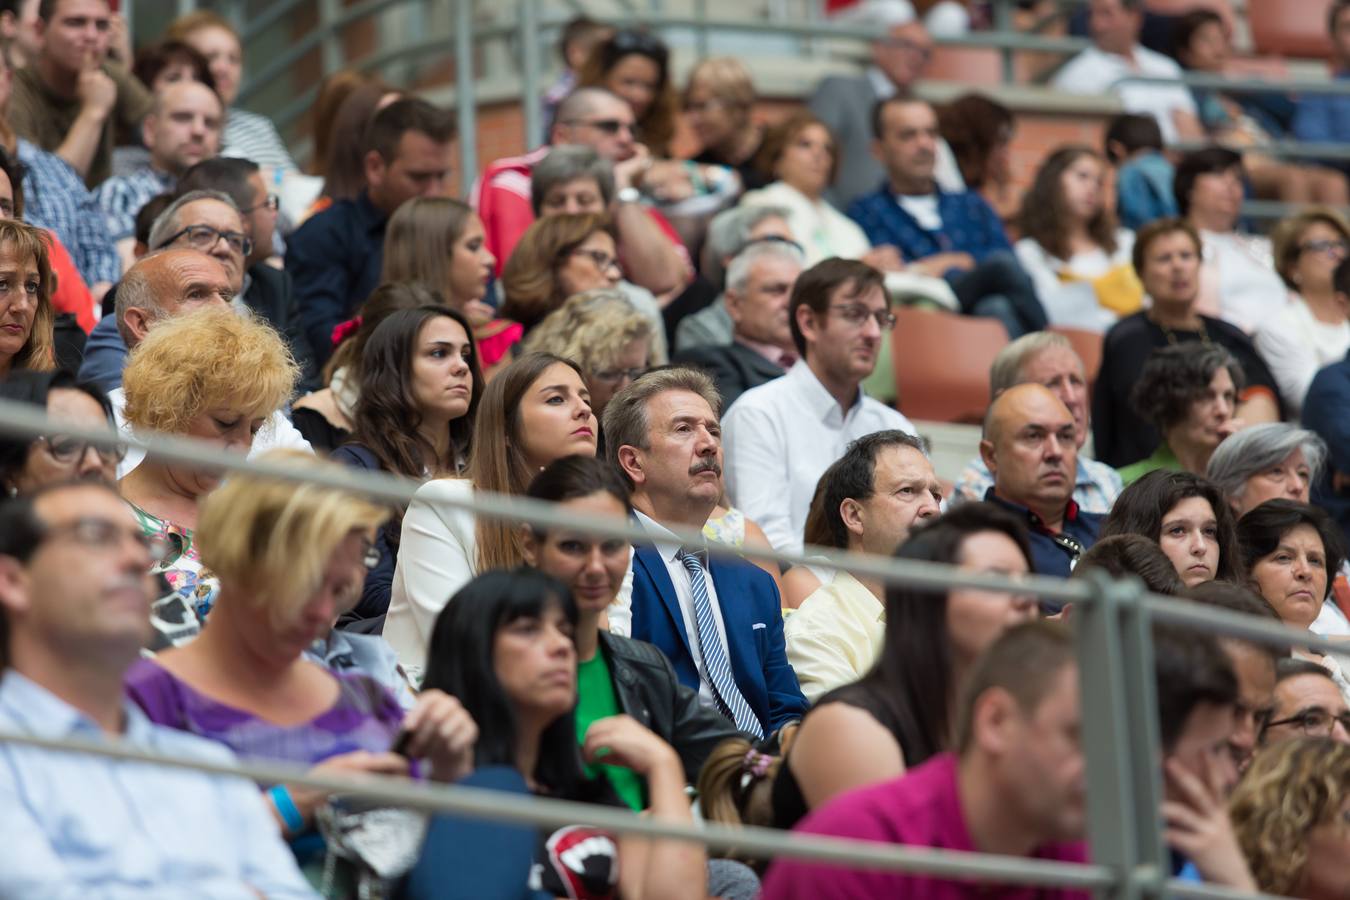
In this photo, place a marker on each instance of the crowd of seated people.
(693, 331)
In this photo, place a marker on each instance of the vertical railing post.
(701, 29)
(466, 104)
(529, 70)
(330, 50)
(1003, 24)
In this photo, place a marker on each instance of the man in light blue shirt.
(75, 600)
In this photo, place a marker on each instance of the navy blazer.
(753, 618)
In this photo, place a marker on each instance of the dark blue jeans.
(998, 288)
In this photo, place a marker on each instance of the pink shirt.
(921, 809)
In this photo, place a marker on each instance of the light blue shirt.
(92, 828)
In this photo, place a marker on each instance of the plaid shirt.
(1095, 488)
(969, 225)
(56, 199)
(122, 196)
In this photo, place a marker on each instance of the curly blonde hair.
(271, 539)
(591, 329)
(1288, 790)
(26, 242)
(209, 358)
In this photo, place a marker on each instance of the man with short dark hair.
(75, 599)
(70, 99)
(783, 435)
(1325, 118)
(954, 235)
(759, 285)
(883, 486)
(1030, 444)
(1307, 703)
(1015, 786)
(718, 620)
(336, 256)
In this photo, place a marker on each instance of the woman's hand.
(441, 730)
(479, 313)
(1197, 824)
(307, 800)
(623, 741)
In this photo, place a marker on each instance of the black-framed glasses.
(102, 534)
(603, 261)
(270, 202)
(608, 126)
(1315, 721)
(204, 237)
(856, 314)
(67, 450)
(615, 376)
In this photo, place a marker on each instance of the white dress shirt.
(1095, 71)
(669, 549)
(1295, 345)
(276, 432)
(780, 437)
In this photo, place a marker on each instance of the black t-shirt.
(751, 178)
(579, 861)
(1119, 435)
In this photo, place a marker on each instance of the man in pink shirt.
(1015, 787)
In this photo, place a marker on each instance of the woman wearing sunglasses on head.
(27, 464)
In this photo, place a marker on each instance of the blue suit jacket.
(753, 617)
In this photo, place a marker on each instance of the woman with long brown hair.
(535, 411)
(26, 314)
(635, 66)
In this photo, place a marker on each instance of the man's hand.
(884, 257)
(96, 90)
(119, 41)
(629, 172)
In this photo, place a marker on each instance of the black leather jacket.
(648, 690)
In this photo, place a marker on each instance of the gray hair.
(1258, 448)
(569, 162)
(166, 225)
(625, 419)
(1006, 369)
(738, 272)
(137, 291)
(729, 232)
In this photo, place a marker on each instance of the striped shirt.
(251, 136)
(55, 198)
(122, 196)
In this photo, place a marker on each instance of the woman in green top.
(1189, 394)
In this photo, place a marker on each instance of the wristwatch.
(628, 195)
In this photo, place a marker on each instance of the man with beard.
(783, 435)
(719, 621)
(1030, 444)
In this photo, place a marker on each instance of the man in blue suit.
(718, 620)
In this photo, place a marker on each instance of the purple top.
(366, 716)
(921, 809)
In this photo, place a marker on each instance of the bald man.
(1030, 445)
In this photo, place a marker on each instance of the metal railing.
(1111, 621)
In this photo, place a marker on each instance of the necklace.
(1172, 337)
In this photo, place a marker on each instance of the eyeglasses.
(271, 202)
(614, 376)
(67, 450)
(1315, 721)
(637, 42)
(1324, 246)
(101, 534)
(608, 126)
(204, 237)
(775, 239)
(603, 261)
(857, 315)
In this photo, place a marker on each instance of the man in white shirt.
(781, 437)
(877, 491)
(164, 284)
(75, 600)
(1116, 57)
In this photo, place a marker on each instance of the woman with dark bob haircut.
(504, 646)
(900, 713)
(1189, 519)
(1293, 551)
(1190, 394)
(27, 464)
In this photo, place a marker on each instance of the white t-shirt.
(923, 208)
(1072, 302)
(1295, 345)
(1095, 71)
(1239, 272)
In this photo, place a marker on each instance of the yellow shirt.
(835, 636)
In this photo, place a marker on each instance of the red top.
(72, 294)
(921, 809)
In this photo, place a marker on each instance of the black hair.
(153, 59)
(1124, 555)
(913, 679)
(459, 662)
(33, 388)
(1191, 669)
(1133, 132)
(16, 171)
(387, 127)
(879, 109)
(1239, 599)
(1294, 666)
(1209, 161)
(1142, 506)
(227, 174)
(852, 477)
(1185, 27)
(1260, 531)
(1340, 279)
(1174, 378)
(574, 477)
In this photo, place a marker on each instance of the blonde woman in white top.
(1311, 330)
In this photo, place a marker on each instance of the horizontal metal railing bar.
(1282, 149)
(1256, 629)
(1267, 210)
(1175, 888)
(763, 843)
(22, 419)
(1245, 85)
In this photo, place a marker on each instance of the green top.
(1162, 458)
(596, 700)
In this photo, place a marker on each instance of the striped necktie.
(730, 702)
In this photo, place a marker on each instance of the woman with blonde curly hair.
(216, 375)
(26, 288)
(1291, 812)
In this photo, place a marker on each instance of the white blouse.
(1065, 285)
(1295, 345)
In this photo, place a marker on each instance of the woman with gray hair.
(1265, 462)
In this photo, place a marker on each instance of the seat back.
(942, 363)
(1088, 346)
(1282, 28)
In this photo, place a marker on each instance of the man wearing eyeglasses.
(1030, 444)
(1307, 704)
(183, 128)
(75, 605)
(780, 437)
